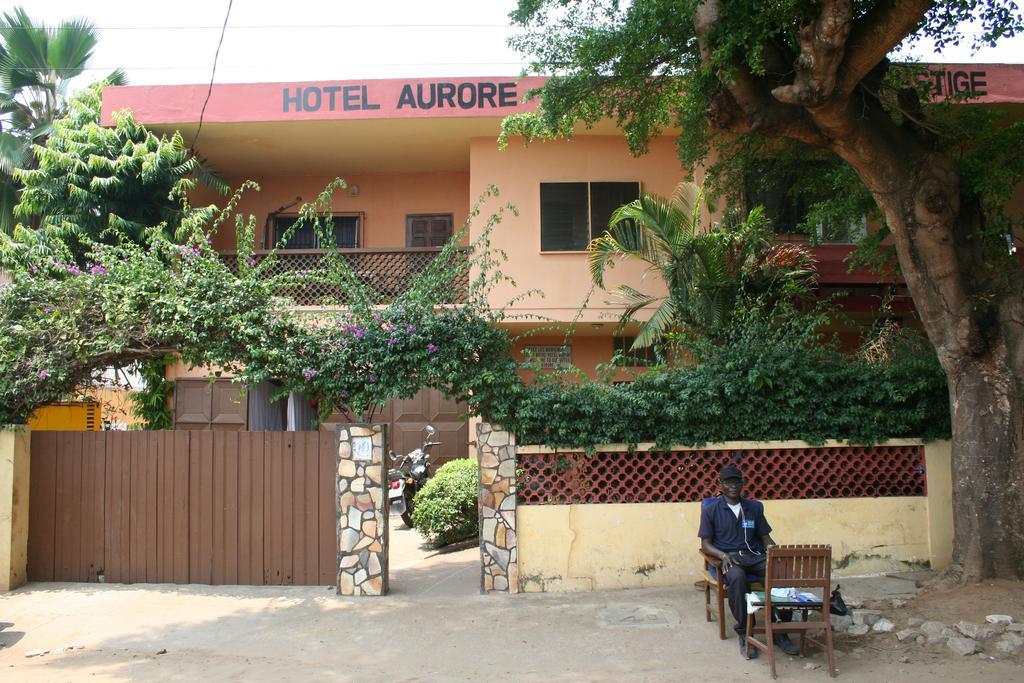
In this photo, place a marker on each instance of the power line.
(286, 27)
(213, 74)
(264, 66)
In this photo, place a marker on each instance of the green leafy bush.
(772, 377)
(445, 508)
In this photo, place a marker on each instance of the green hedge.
(768, 380)
(445, 509)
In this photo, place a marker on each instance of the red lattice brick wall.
(689, 476)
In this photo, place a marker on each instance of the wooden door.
(427, 229)
(200, 404)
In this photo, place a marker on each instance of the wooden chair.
(796, 566)
(714, 581)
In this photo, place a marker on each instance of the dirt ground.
(434, 626)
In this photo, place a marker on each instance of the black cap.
(730, 472)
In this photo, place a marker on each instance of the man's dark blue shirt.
(730, 533)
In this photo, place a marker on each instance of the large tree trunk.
(974, 316)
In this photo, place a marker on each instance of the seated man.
(734, 530)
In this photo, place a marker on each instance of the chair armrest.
(710, 560)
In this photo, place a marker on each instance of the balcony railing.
(387, 272)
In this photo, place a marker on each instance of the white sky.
(174, 41)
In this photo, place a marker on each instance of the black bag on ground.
(836, 605)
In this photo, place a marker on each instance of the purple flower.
(410, 329)
(99, 270)
(47, 309)
(392, 341)
(43, 374)
(432, 348)
(376, 316)
(344, 394)
(373, 378)
(358, 333)
(309, 374)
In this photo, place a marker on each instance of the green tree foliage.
(108, 183)
(37, 64)
(770, 377)
(706, 270)
(446, 507)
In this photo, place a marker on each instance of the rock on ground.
(840, 623)
(866, 616)
(1009, 644)
(858, 629)
(976, 631)
(883, 626)
(962, 646)
(933, 627)
(907, 633)
(1001, 619)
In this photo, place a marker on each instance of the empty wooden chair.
(800, 567)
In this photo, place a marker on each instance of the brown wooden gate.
(248, 508)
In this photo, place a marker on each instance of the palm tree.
(37, 64)
(706, 269)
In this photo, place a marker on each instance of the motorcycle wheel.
(407, 515)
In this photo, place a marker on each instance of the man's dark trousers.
(739, 585)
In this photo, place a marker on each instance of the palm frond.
(655, 328)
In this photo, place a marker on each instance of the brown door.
(407, 419)
(427, 229)
(200, 404)
(429, 406)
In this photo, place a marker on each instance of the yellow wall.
(385, 199)
(595, 547)
(14, 487)
(518, 172)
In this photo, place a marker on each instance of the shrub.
(771, 377)
(445, 508)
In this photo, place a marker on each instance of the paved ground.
(434, 626)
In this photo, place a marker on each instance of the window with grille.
(345, 231)
(572, 214)
(635, 357)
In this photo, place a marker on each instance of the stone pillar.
(498, 555)
(14, 473)
(362, 513)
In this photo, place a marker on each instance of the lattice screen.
(679, 476)
(388, 273)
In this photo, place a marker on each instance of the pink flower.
(99, 270)
(43, 374)
(392, 342)
(309, 374)
(432, 348)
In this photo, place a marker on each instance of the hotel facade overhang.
(417, 153)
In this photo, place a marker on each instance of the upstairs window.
(572, 214)
(787, 201)
(345, 230)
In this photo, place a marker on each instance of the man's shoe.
(783, 642)
(743, 649)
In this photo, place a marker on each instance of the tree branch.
(745, 104)
(874, 36)
(822, 44)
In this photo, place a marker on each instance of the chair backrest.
(799, 566)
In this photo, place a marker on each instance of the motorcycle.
(406, 476)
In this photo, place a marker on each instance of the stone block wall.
(498, 545)
(362, 512)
